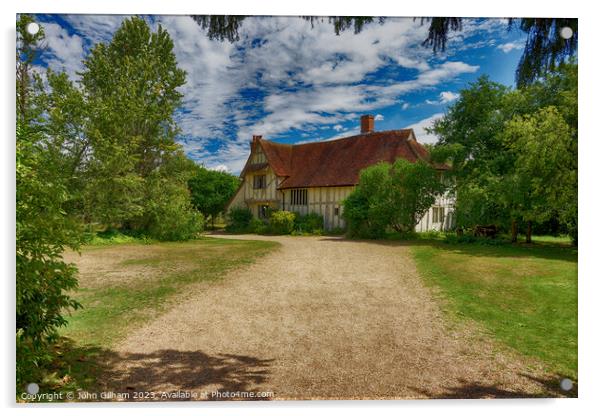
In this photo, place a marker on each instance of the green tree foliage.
(211, 190)
(167, 212)
(131, 89)
(391, 197)
(113, 137)
(68, 148)
(469, 139)
(544, 177)
(28, 82)
(239, 219)
(43, 230)
(496, 167)
(545, 48)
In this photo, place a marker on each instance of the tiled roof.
(338, 162)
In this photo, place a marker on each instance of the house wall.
(323, 201)
(448, 223)
(252, 198)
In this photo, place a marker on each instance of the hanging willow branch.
(544, 49)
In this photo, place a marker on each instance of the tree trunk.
(514, 231)
(529, 231)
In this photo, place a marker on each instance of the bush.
(43, 232)
(391, 196)
(281, 222)
(258, 226)
(312, 223)
(239, 219)
(168, 212)
(336, 231)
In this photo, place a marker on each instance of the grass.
(112, 237)
(125, 284)
(161, 272)
(523, 295)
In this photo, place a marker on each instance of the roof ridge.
(338, 139)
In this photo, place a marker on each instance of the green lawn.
(145, 279)
(524, 295)
(124, 285)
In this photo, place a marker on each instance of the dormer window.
(259, 182)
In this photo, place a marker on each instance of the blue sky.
(293, 83)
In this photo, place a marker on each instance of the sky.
(294, 83)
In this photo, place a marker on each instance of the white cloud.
(298, 77)
(379, 117)
(510, 46)
(445, 97)
(420, 129)
(95, 27)
(448, 96)
(220, 168)
(61, 51)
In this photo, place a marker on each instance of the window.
(336, 211)
(262, 211)
(298, 196)
(259, 182)
(438, 214)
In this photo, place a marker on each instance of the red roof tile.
(338, 162)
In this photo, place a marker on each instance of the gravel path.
(319, 318)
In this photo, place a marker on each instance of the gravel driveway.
(319, 318)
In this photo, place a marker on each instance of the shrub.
(359, 223)
(281, 222)
(43, 232)
(177, 224)
(168, 213)
(391, 196)
(258, 226)
(239, 219)
(335, 231)
(312, 223)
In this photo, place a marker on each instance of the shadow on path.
(164, 372)
(475, 390)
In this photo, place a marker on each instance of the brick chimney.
(255, 142)
(367, 123)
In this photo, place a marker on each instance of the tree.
(43, 230)
(545, 173)
(392, 196)
(493, 181)
(68, 147)
(27, 50)
(545, 47)
(469, 140)
(211, 190)
(135, 167)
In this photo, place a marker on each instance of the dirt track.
(320, 318)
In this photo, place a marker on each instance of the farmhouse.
(317, 177)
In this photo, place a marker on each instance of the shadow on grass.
(474, 390)
(95, 370)
(547, 251)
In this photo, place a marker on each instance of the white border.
(590, 238)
